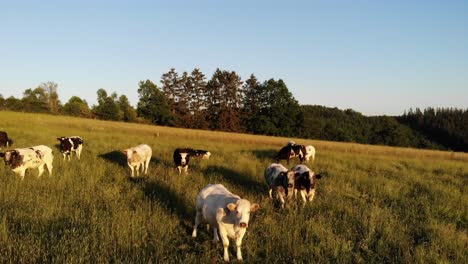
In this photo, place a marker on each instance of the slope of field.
(377, 204)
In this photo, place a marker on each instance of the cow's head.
(304, 181)
(12, 158)
(184, 158)
(241, 212)
(288, 181)
(206, 155)
(129, 153)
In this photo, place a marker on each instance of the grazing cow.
(21, 159)
(136, 156)
(305, 182)
(225, 212)
(181, 158)
(291, 151)
(4, 140)
(309, 153)
(280, 179)
(204, 154)
(69, 145)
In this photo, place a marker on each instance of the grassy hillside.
(377, 204)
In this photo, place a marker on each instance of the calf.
(139, 155)
(69, 145)
(4, 140)
(280, 179)
(305, 182)
(181, 158)
(225, 212)
(21, 159)
(291, 151)
(309, 153)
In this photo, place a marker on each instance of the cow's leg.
(49, 168)
(224, 238)
(69, 156)
(198, 219)
(303, 195)
(281, 198)
(295, 193)
(179, 168)
(137, 168)
(186, 169)
(147, 164)
(311, 195)
(41, 170)
(270, 191)
(78, 151)
(131, 168)
(239, 243)
(215, 234)
(64, 156)
(22, 173)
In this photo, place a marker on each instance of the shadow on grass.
(116, 157)
(265, 154)
(243, 180)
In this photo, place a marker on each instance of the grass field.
(377, 204)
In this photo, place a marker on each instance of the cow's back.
(273, 171)
(213, 197)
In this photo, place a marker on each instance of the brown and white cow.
(182, 158)
(21, 159)
(225, 212)
(281, 180)
(305, 182)
(5, 141)
(138, 156)
(291, 151)
(69, 145)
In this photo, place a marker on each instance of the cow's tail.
(9, 142)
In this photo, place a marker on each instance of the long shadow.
(235, 177)
(265, 154)
(115, 156)
(168, 197)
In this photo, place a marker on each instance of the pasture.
(376, 205)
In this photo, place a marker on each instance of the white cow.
(305, 182)
(310, 153)
(225, 212)
(281, 179)
(139, 155)
(21, 159)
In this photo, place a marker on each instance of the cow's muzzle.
(244, 225)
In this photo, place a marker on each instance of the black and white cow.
(21, 159)
(198, 153)
(291, 151)
(69, 145)
(5, 141)
(181, 158)
(305, 182)
(281, 180)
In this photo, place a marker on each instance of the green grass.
(377, 204)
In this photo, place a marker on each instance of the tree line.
(225, 102)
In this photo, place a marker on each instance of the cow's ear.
(254, 207)
(231, 207)
(2, 154)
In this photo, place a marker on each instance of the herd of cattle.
(225, 212)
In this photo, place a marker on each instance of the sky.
(376, 57)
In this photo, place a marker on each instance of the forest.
(225, 102)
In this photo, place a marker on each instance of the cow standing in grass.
(305, 182)
(138, 156)
(69, 145)
(225, 212)
(291, 151)
(21, 159)
(281, 180)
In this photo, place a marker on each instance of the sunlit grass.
(377, 204)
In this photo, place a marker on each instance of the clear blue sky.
(376, 57)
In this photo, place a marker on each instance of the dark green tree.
(127, 112)
(107, 108)
(153, 104)
(77, 107)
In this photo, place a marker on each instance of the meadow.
(377, 204)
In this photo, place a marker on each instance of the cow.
(21, 159)
(281, 180)
(305, 182)
(181, 158)
(309, 153)
(69, 145)
(291, 151)
(5, 141)
(138, 156)
(225, 212)
(198, 153)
